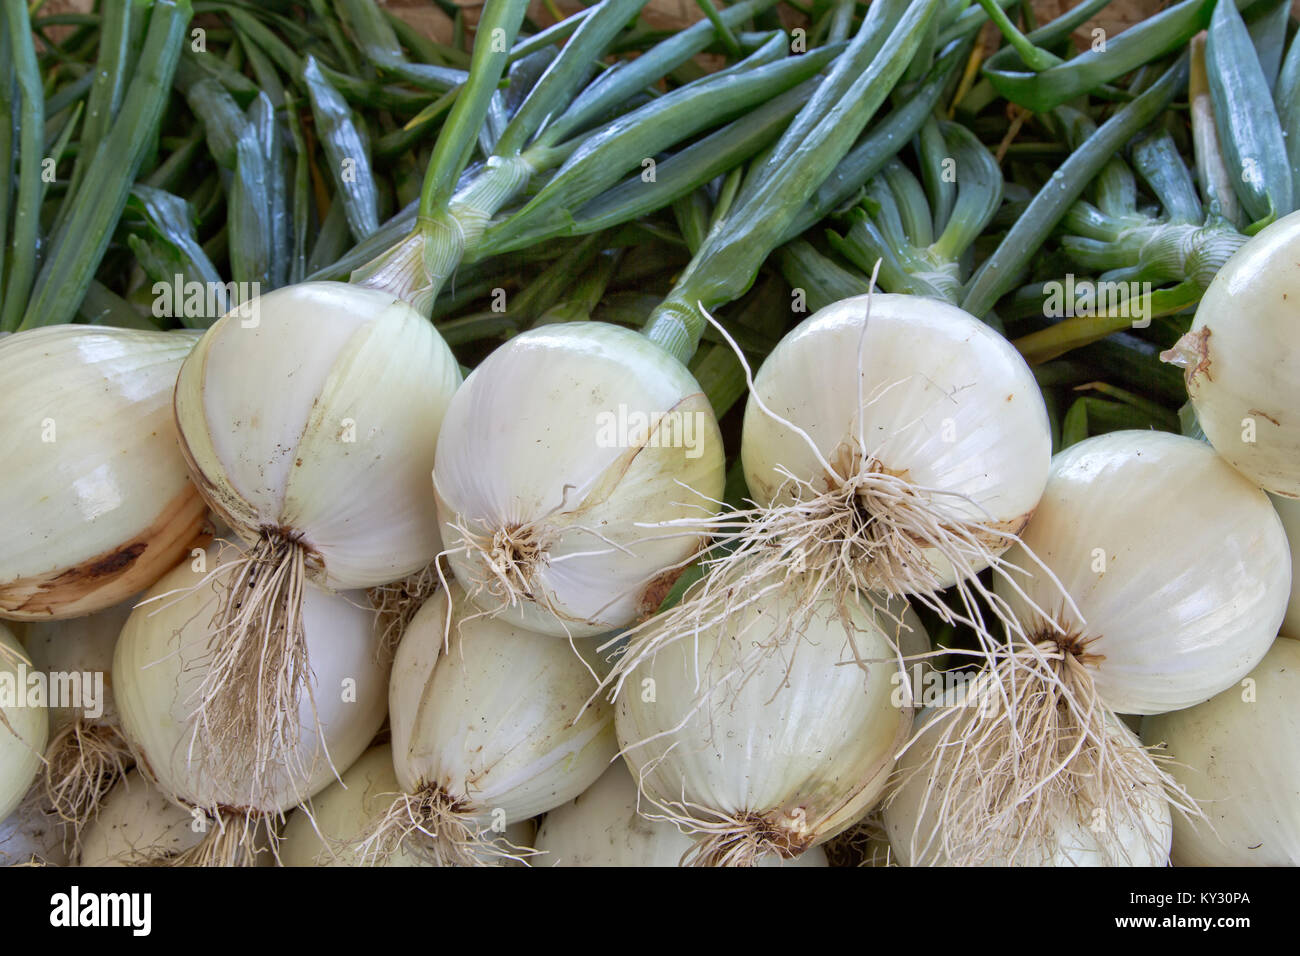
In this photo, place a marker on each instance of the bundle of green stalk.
(893, 450)
(150, 89)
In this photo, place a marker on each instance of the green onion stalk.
(1243, 172)
(1027, 73)
(563, 122)
(998, 274)
(921, 230)
(787, 175)
(46, 274)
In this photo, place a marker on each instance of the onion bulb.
(893, 445)
(561, 460)
(602, 827)
(1078, 835)
(159, 672)
(790, 746)
(327, 833)
(24, 725)
(1179, 569)
(97, 501)
(488, 730)
(1176, 574)
(139, 826)
(1241, 359)
(1239, 753)
(33, 834)
(87, 753)
(309, 417)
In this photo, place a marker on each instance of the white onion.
(86, 753)
(24, 726)
(542, 496)
(33, 834)
(602, 827)
(925, 392)
(138, 825)
(340, 460)
(1078, 837)
(1239, 753)
(161, 661)
(792, 744)
(342, 813)
(309, 418)
(489, 732)
(894, 445)
(1197, 569)
(1241, 359)
(97, 500)
(1175, 574)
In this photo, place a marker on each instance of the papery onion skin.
(342, 811)
(98, 500)
(158, 666)
(601, 827)
(802, 749)
(1241, 359)
(319, 424)
(522, 448)
(1239, 753)
(1143, 839)
(491, 721)
(23, 741)
(950, 405)
(1196, 575)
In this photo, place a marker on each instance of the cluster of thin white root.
(737, 839)
(396, 605)
(232, 840)
(866, 538)
(865, 843)
(436, 828)
(82, 763)
(1031, 757)
(509, 557)
(246, 709)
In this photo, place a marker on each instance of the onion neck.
(416, 269)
